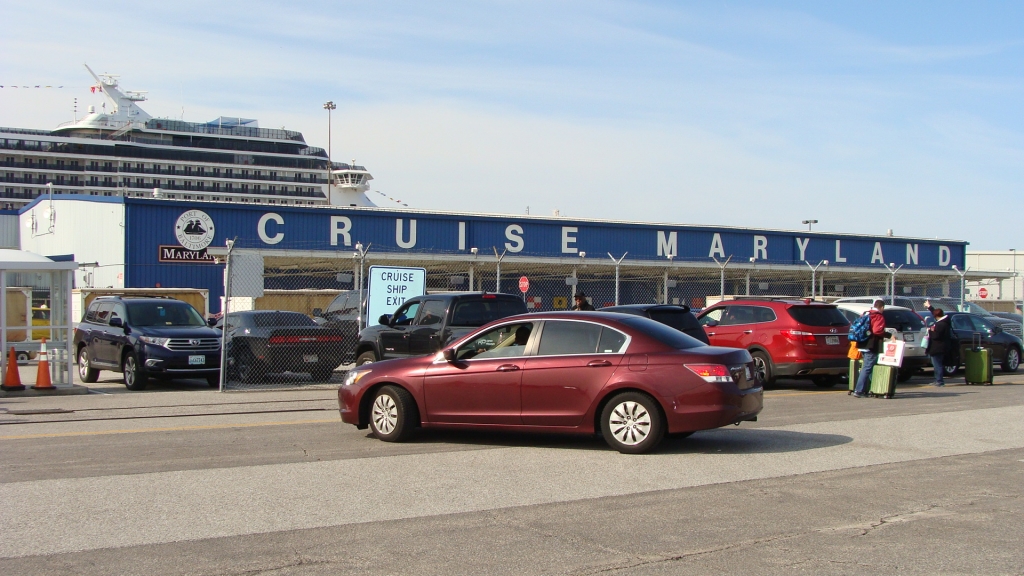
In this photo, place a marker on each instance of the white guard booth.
(36, 303)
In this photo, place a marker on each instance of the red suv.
(786, 338)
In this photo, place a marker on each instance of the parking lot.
(180, 479)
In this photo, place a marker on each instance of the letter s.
(514, 233)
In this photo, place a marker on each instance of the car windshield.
(902, 320)
(480, 312)
(271, 319)
(675, 318)
(163, 314)
(662, 333)
(818, 315)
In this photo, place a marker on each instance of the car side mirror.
(449, 354)
(318, 312)
(997, 329)
(116, 323)
(711, 323)
(211, 322)
(384, 319)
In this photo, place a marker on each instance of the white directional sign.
(390, 286)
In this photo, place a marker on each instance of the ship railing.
(247, 131)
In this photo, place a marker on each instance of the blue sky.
(864, 115)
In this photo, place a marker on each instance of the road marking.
(167, 429)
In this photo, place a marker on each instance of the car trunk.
(822, 330)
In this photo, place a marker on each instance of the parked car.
(786, 338)
(971, 328)
(1009, 316)
(41, 317)
(422, 325)
(908, 327)
(146, 338)
(626, 377)
(679, 317)
(343, 313)
(263, 342)
(917, 304)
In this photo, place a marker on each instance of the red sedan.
(630, 378)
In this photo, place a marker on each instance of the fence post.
(497, 269)
(722, 267)
(224, 317)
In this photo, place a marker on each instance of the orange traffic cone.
(43, 374)
(12, 379)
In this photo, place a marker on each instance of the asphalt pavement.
(181, 479)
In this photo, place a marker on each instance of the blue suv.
(146, 338)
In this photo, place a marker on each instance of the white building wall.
(998, 261)
(92, 231)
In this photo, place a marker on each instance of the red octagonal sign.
(524, 284)
(982, 292)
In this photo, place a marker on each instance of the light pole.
(360, 253)
(1013, 281)
(617, 263)
(893, 269)
(962, 284)
(814, 272)
(329, 105)
(809, 223)
(497, 268)
(722, 266)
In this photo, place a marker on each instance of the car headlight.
(154, 341)
(354, 376)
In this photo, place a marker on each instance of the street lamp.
(893, 269)
(809, 223)
(329, 105)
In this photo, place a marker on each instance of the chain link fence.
(293, 316)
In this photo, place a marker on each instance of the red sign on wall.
(524, 284)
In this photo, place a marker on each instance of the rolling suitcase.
(883, 381)
(978, 364)
(854, 372)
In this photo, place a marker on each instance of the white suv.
(908, 327)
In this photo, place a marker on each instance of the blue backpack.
(860, 330)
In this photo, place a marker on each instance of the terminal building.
(130, 242)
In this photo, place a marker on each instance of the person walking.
(581, 302)
(940, 335)
(871, 348)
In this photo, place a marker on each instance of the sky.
(866, 116)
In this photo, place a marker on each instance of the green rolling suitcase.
(855, 366)
(883, 381)
(978, 366)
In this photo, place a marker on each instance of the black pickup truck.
(424, 323)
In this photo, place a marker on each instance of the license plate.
(832, 340)
(198, 360)
(908, 337)
(309, 358)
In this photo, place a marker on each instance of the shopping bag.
(853, 353)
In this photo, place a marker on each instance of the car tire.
(366, 358)
(632, 423)
(763, 368)
(24, 357)
(250, 370)
(134, 378)
(393, 414)
(213, 381)
(86, 373)
(1012, 360)
(951, 366)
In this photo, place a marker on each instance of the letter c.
(261, 228)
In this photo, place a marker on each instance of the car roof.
(644, 307)
(140, 298)
(780, 301)
(860, 307)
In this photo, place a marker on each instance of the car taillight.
(805, 338)
(711, 372)
(488, 296)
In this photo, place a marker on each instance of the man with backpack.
(870, 327)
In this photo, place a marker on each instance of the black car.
(146, 338)
(679, 317)
(969, 329)
(262, 342)
(343, 313)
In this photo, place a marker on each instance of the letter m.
(666, 244)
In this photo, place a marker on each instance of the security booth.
(36, 306)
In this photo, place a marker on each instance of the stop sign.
(524, 284)
(982, 292)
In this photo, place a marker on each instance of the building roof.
(24, 260)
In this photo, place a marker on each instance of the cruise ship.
(126, 152)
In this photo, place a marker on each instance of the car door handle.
(598, 363)
(711, 333)
(507, 368)
(748, 331)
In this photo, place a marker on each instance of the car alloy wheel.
(631, 423)
(366, 358)
(86, 372)
(132, 379)
(1012, 361)
(951, 368)
(762, 368)
(393, 414)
